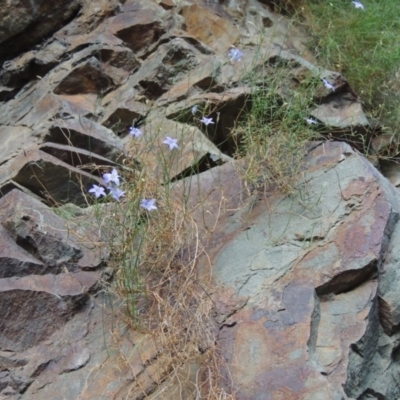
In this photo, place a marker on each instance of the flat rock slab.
(43, 305)
(150, 150)
(296, 279)
(206, 26)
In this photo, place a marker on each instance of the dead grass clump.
(154, 258)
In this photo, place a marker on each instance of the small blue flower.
(207, 121)
(328, 85)
(148, 204)
(172, 143)
(194, 109)
(135, 132)
(358, 4)
(235, 54)
(97, 191)
(112, 177)
(116, 193)
(311, 121)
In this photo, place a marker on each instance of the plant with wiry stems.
(273, 135)
(154, 245)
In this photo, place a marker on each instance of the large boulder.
(305, 294)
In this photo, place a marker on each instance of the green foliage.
(361, 44)
(273, 135)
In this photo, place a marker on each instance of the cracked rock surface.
(306, 293)
(314, 275)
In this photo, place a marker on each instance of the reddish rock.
(216, 32)
(122, 114)
(86, 160)
(305, 286)
(87, 78)
(167, 4)
(139, 30)
(304, 278)
(43, 305)
(42, 174)
(78, 105)
(15, 261)
(149, 148)
(86, 134)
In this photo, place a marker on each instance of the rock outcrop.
(304, 286)
(311, 276)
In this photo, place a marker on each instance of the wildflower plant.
(328, 85)
(206, 121)
(171, 143)
(358, 4)
(149, 204)
(150, 230)
(136, 132)
(235, 54)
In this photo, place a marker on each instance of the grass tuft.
(273, 135)
(361, 44)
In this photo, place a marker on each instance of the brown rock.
(86, 134)
(305, 287)
(341, 113)
(43, 304)
(122, 114)
(37, 241)
(139, 30)
(37, 18)
(149, 148)
(78, 105)
(42, 174)
(15, 261)
(87, 78)
(206, 26)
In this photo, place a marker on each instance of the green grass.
(273, 134)
(363, 45)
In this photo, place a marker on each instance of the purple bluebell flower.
(171, 142)
(148, 204)
(235, 54)
(135, 132)
(112, 177)
(311, 121)
(116, 193)
(207, 121)
(328, 85)
(358, 4)
(98, 191)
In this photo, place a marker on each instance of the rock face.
(30, 21)
(311, 273)
(305, 287)
(41, 272)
